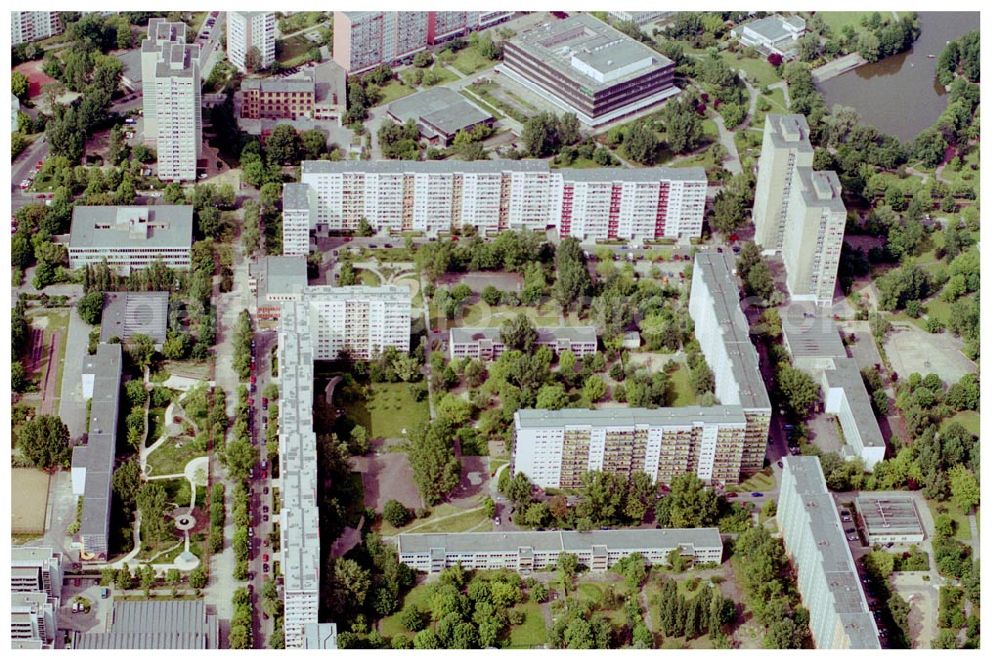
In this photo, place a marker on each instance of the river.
(900, 95)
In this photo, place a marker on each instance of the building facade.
(177, 86)
(361, 321)
(299, 207)
(785, 147)
(159, 32)
(588, 68)
(277, 99)
(811, 248)
(486, 344)
(246, 31)
(32, 26)
(131, 237)
(33, 618)
(534, 551)
(555, 448)
(364, 40)
(828, 581)
(494, 195)
(724, 336)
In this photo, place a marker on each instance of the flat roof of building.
(131, 61)
(846, 375)
(320, 636)
(285, 275)
(155, 624)
(776, 28)
(589, 52)
(160, 30)
(440, 108)
(885, 514)
(628, 417)
(468, 334)
(789, 131)
(131, 227)
(401, 167)
(718, 269)
(808, 335)
(489, 542)
(98, 456)
(295, 196)
(129, 313)
(177, 60)
(300, 83)
(821, 189)
(835, 557)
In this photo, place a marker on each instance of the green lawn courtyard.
(967, 419)
(389, 411)
(469, 61)
(171, 456)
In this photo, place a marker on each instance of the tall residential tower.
(785, 147)
(246, 31)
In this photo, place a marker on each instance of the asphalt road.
(21, 169)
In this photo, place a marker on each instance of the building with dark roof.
(587, 67)
(486, 344)
(533, 551)
(130, 313)
(131, 237)
(93, 464)
(156, 625)
(276, 280)
(440, 113)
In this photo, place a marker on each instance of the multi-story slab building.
(298, 217)
(534, 551)
(724, 336)
(363, 40)
(486, 344)
(159, 32)
(131, 237)
(814, 346)
(33, 618)
(828, 581)
(554, 448)
(638, 18)
(31, 26)
(494, 195)
(36, 569)
(785, 148)
(176, 83)
(93, 464)
(246, 31)
(361, 321)
(588, 68)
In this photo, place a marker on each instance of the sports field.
(29, 497)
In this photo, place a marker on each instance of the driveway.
(72, 405)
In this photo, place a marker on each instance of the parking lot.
(96, 620)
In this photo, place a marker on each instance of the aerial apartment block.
(35, 586)
(32, 26)
(588, 68)
(535, 551)
(797, 211)
(93, 464)
(159, 32)
(359, 320)
(828, 581)
(494, 195)
(815, 347)
(131, 237)
(246, 31)
(486, 344)
(724, 336)
(298, 211)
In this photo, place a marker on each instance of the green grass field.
(369, 278)
(475, 521)
(967, 419)
(389, 411)
(393, 624)
(469, 61)
(837, 20)
(171, 456)
(762, 481)
(394, 90)
(680, 385)
(293, 51)
(481, 314)
(961, 520)
(532, 632)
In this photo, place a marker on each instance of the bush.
(397, 514)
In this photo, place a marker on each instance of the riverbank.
(837, 67)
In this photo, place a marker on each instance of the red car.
(266, 558)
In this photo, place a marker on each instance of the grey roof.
(810, 336)
(789, 131)
(627, 417)
(320, 636)
(889, 514)
(98, 456)
(718, 269)
(177, 60)
(441, 109)
(129, 313)
(160, 29)
(300, 83)
(413, 166)
(773, 28)
(285, 275)
(331, 83)
(821, 189)
(131, 227)
(824, 526)
(295, 196)
(846, 376)
(131, 65)
(168, 625)
(646, 175)
(573, 333)
(553, 541)
(587, 40)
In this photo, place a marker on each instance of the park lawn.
(481, 314)
(837, 20)
(441, 514)
(532, 632)
(368, 278)
(444, 74)
(300, 21)
(758, 68)
(938, 309)
(479, 101)
(497, 463)
(393, 90)
(762, 481)
(171, 456)
(154, 425)
(293, 51)
(469, 61)
(57, 319)
(776, 99)
(474, 521)
(393, 625)
(961, 520)
(967, 419)
(389, 411)
(952, 173)
(680, 386)
(702, 159)
(578, 163)
(710, 129)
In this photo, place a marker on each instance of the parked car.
(853, 537)
(732, 494)
(850, 530)
(756, 494)
(265, 557)
(267, 568)
(266, 489)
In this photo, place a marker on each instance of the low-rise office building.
(814, 346)
(276, 280)
(889, 518)
(289, 98)
(588, 68)
(130, 313)
(533, 551)
(828, 581)
(155, 625)
(440, 114)
(131, 237)
(486, 344)
(93, 464)
(775, 34)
